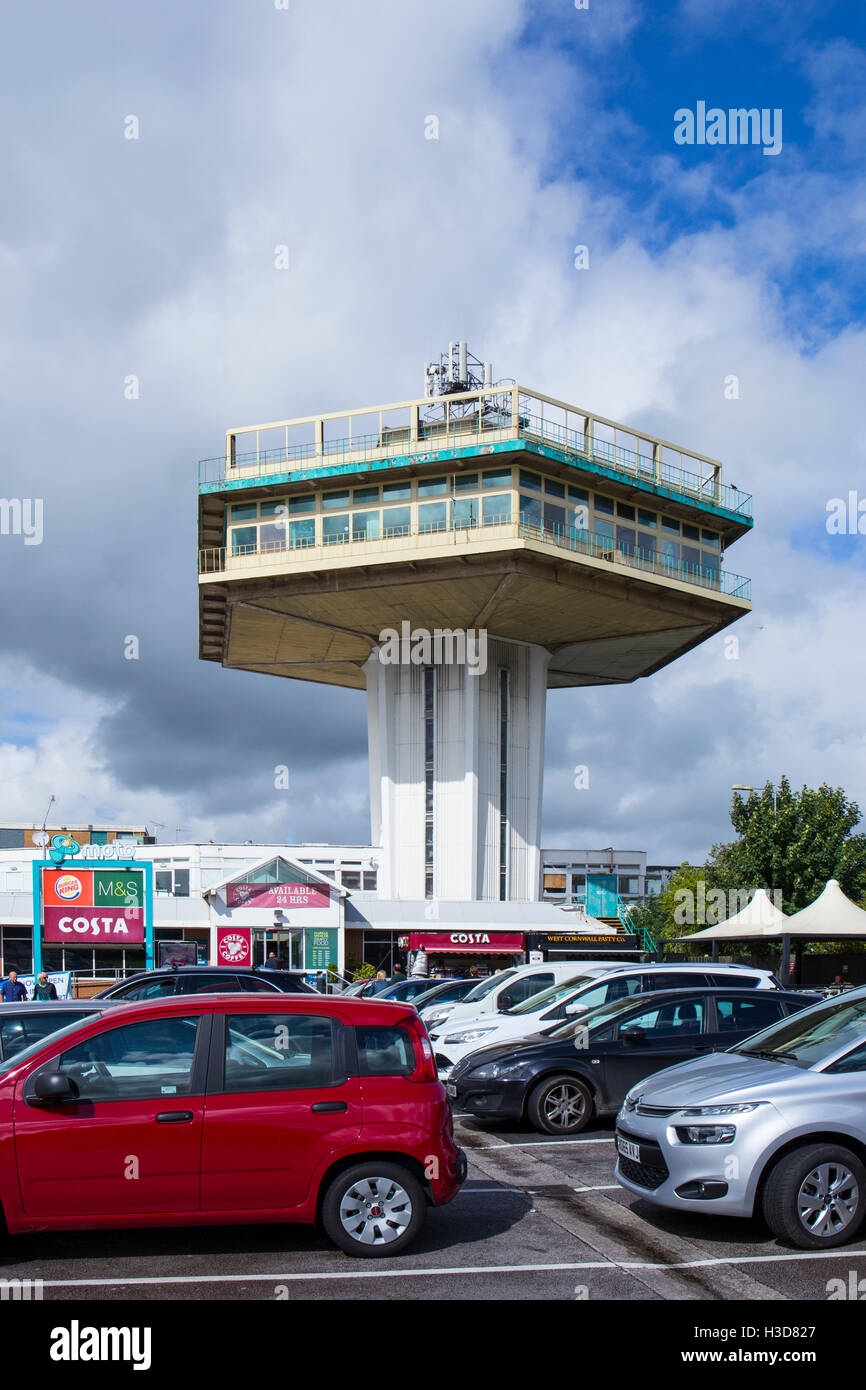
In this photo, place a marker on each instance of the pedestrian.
(271, 962)
(397, 974)
(43, 988)
(380, 982)
(11, 990)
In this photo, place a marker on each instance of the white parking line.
(453, 1272)
(536, 1144)
(598, 1187)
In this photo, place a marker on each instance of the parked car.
(776, 1125)
(542, 1012)
(206, 979)
(444, 992)
(402, 991)
(509, 987)
(239, 1108)
(26, 1023)
(585, 1067)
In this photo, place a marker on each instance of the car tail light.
(422, 1048)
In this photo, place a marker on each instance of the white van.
(464, 1032)
(508, 988)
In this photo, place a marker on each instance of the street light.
(786, 940)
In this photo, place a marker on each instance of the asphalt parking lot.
(538, 1218)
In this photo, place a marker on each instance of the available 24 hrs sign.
(93, 906)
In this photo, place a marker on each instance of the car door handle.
(174, 1117)
(325, 1107)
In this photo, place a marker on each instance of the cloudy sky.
(302, 123)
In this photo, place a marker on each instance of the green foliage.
(793, 842)
(360, 970)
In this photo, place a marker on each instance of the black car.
(412, 991)
(206, 979)
(26, 1023)
(560, 1079)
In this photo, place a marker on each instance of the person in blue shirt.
(11, 990)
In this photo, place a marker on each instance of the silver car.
(776, 1125)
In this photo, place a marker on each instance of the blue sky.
(305, 127)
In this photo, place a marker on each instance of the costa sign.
(234, 946)
(99, 907)
(493, 942)
(95, 925)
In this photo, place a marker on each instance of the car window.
(853, 1061)
(209, 984)
(278, 1052)
(524, 987)
(384, 1052)
(591, 998)
(624, 987)
(135, 1062)
(669, 1020)
(254, 984)
(737, 1015)
(807, 1039)
(146, 989)
(483, 988)
(678, 979)
(552, 995)
(17, 1033)
(738, 982)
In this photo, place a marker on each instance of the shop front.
(277, 911)
(461, 953)
(587, 945)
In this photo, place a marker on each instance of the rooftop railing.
(215, 560)
(492, 419)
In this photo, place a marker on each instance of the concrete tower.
(455, 555)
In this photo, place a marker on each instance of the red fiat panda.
(231, 1108)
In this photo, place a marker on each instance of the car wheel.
(560, 1105)
(374, 1209)
(815, 1197)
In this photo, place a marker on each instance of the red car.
(231, 1108)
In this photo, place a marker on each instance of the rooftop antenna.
(51, 801)
(456, 373)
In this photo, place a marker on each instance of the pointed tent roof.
(760, 917)
(832, 914)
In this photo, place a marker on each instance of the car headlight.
(706, 1134)
(489, 1071)
(470, 1036)
(724, 1109)
(433, 1020)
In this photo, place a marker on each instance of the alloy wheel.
(375, 1211)
(564, 1106)
(828, 1199)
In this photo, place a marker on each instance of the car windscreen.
(27, 1052)
(482, 989)
(551, 995)
(810, 1038)
(592, 1018)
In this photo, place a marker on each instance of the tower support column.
(456, 759)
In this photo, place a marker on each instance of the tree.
(792, 842)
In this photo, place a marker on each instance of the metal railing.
(216, 560)
(664, 466)
(647, 942)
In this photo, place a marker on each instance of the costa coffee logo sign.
(470, 938)
(233, 947)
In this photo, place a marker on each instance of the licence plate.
(451, 1089)
(628, 1149)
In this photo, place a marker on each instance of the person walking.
(43, 988)
(398, 974)
(12, 991)
(381, 982)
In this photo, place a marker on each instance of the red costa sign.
(480, 943)
(234, 946)
(77, 925)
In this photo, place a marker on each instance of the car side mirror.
(54, 1087)
(632, 1034)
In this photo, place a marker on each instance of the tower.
(455, 555)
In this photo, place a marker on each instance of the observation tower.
(540, 545)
